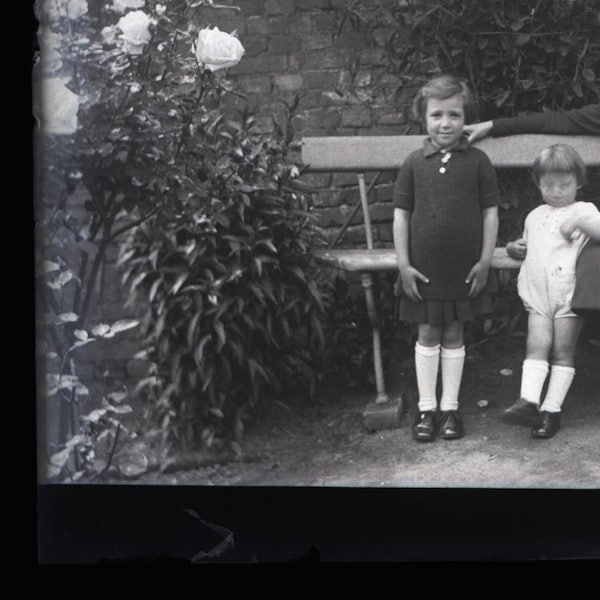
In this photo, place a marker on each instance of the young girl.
(445, 227)
(578, 121)
(554, 236)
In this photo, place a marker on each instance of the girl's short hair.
(559, 158)
(440, 88)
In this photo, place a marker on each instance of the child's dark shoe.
(549, 426)
(522, 412)
(424, 429)
(451, 427)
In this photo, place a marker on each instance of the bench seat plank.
(386, 152)
(363, 260)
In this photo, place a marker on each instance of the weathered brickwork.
(298, 47)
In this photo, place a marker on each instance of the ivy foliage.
(518, 55)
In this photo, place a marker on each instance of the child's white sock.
(532, 380)
(453, 360)
(558, 386)
(427, 362)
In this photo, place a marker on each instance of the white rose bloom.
(73, 9)
(109, 34)
(49, 39)
(56, 107)
(50, 59)
(76, 8)
(160, 9)
(136, 31)
(121, 6)
(218, 50)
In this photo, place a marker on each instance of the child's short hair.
(559, 158)
(442, 87)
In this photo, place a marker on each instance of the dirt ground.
(325, 443)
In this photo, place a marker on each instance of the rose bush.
(70, 9)
(195, 194)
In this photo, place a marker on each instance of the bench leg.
(383, 413)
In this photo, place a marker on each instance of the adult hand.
(476, 131)
(477, 277)
(409, 276)
(517, 249)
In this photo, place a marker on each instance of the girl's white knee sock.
(427, 361)
(533, 378)
(453, 361)
(561, 378)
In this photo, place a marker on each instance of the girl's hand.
(517, 249)
(409, 276)
(568, 227)
(477, 277)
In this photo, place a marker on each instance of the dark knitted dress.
(446, 201)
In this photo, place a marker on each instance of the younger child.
(445, 227)
(554, 236)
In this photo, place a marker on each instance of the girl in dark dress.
(445, 228)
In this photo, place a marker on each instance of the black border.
(95, 525)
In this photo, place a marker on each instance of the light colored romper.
(547, 277)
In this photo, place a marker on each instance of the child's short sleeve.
(586, 209)
(403, 196)
(488, 184)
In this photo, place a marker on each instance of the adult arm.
(581, 121)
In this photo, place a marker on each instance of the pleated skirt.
(444, 312)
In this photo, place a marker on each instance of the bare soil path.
(324, 442)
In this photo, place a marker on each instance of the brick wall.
(297, 47)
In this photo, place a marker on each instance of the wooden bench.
(363, 154)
